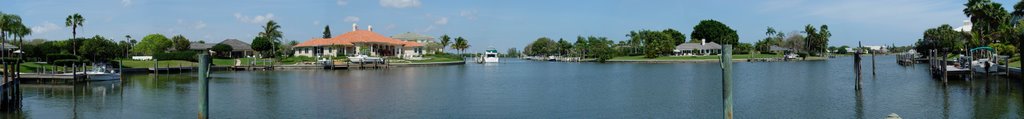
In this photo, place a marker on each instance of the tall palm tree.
(771, 31)
(270, 30)
(74, 21)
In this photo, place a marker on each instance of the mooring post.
(727, 80)
(873, 62)
(856, 65)
(204, 84)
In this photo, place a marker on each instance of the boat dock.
(10, 94)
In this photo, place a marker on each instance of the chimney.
(369, 27)
(355, 27)
(702, 41)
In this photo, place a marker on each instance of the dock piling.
(856, 66)
(204, 85)
(726, 63)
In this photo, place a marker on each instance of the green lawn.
(709, 57)
(162, 63)
(437, 59)
(1015, 64)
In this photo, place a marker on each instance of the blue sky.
(502, 24)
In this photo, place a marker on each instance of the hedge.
(182, 55)
(53, 57)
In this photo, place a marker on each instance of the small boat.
(552, 58)
(364, 59)
(986, 59)
(99, 73)
(490, 56)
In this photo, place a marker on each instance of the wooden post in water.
(872, 62)
(204, 85)
(856, 65)
(727, 80)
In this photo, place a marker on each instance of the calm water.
(530, 89)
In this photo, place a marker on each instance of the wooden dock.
(10, 94)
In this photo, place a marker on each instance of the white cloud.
(342, 2)
(254, 19)
(428, 29)
(45, 27)
(126, 3)
(317, 22)
(441, 21)
(351, 19)
(200, 25)
(471, 15)
(400, 3)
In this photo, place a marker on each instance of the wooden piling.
(204, 85)
(727, 80)
(873, 72)
(856, 66)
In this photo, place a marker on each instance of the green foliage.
(744, 48)
(99, 49)
(180, 43)
(564, 47)
(654, 43)
(327, 31)
(842, 50)
(445, 41)
(943, 38)
(512, 52)
(179, 55)
(262, 44)
(714, 31)
(74, 21)
(988, 18)
(53, 57)
(152, 44)
(222, 49)
(461, 44)
(68, 62)
(677, 37)
(1004, 49)
(600, 48)
(543, 46)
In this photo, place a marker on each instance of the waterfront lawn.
(684, 58)
(223, 62)
(36, 67)
(163, 63)
(437, 59)
(1015, 64)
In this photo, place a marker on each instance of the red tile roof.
(358, 36)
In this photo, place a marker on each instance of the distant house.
(239, 49)
(702, 48)
(778, 49)
(414, 37)
(358, 42)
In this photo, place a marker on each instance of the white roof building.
(966, 27)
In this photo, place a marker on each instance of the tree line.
(993, 26)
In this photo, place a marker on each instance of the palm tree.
(445, 40)
(460, 44)
(270, 31)
(74, 21)
(771, 31)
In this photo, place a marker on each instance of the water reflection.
(528, 89)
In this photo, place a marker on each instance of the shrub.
(68, 62)
(53, 57)
(181, 55)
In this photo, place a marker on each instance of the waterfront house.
(779, 49)
(414, 37)
(358, 41)
(702, 48)
(239, 49)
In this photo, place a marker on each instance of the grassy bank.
(685, 58)
(162, 63)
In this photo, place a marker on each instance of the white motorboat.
(99, 73)
(980, 65)
(490, 56)
(364, 58)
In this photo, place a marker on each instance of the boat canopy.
(983, 48)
